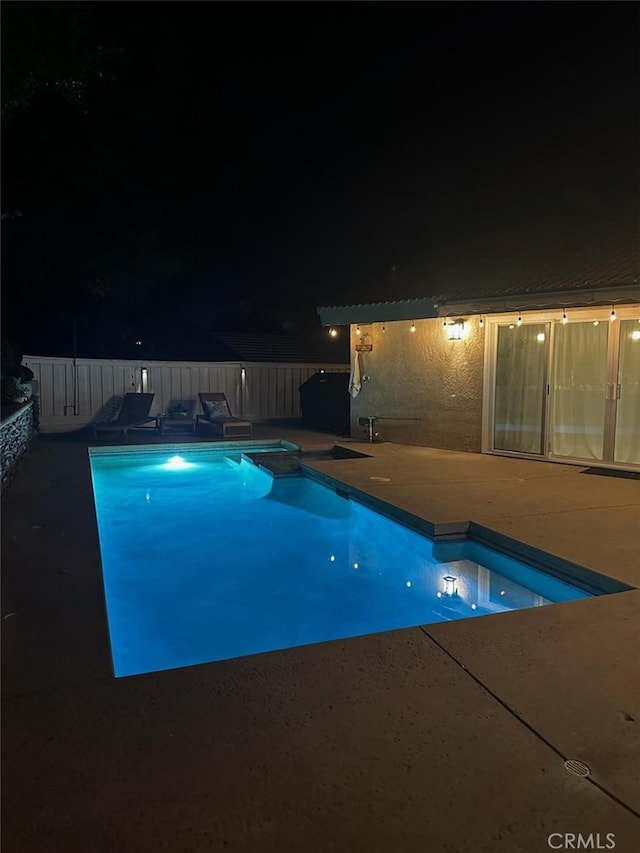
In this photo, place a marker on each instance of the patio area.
(448, 737)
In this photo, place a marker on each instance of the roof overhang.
(537, 301)
(379, 312)
(432, 307)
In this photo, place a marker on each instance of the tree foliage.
(49, 48)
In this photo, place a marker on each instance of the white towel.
(355, 381)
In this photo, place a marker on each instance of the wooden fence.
(74, 391)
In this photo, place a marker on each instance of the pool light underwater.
(177, 463)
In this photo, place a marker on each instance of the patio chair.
(217, 415)
(133, 413)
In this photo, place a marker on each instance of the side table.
(168, 423)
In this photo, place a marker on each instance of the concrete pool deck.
(448, 737)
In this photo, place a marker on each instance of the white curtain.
(628, 412)
(578, 383)
(519, 398)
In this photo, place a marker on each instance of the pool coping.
(573, 573)
(191, 447)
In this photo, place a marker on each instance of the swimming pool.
(207, 556)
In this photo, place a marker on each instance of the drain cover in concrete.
(577, 768)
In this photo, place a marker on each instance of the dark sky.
(225, 157)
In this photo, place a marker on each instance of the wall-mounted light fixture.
(450, 587)
(455, 330)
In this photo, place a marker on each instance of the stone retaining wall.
(16, 431)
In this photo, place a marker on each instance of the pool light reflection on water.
(206, 556)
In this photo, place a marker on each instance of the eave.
(432, 307)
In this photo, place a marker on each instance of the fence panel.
(74, 392)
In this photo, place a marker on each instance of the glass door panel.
(627, 390)
(520, 385)
(579, 374)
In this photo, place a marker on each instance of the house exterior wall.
(423, 388)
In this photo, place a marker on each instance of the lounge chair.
(133, 413)
(217, 415)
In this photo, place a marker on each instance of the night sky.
(173, 168)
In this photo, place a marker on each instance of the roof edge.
(377, 312)
(414, 309)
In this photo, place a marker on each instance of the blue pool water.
(206, 556)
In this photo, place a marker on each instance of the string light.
(332, 332)
(565, 319)
(519, 318)
(413, 326)
(612, 316)
(481, 322)
(384, 329)
(358, 331)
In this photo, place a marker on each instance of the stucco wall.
(423, 377)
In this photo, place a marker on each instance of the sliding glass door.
(578, 386)
(567, 390)
(520, 388)
(626, 393)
